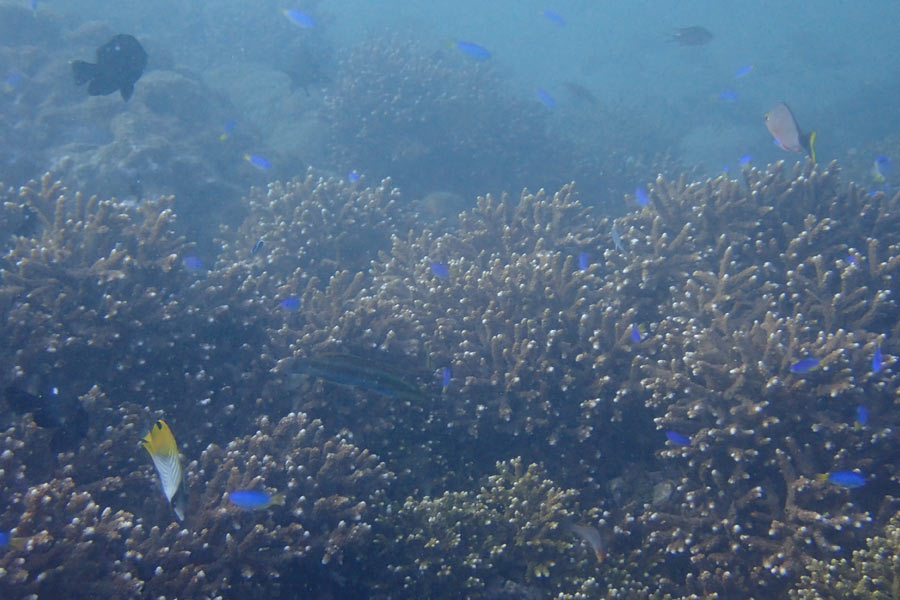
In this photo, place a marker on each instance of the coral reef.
(100, 293)
(508, 540)
(573, 341)
(785, 268)
(871, 572)
(398, 108)
(332, 489)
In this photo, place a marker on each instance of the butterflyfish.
(160, 443)
(784, 128)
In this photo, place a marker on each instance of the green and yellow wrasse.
(160, 443)
(784, 128)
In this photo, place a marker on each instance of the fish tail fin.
(809, 144)
(822, 477)
(83, 71)
(278, 499)
(18, 542)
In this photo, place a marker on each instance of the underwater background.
(449, 299)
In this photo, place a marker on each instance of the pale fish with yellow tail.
(160, 443)
(784, 128)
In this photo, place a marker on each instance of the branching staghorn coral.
(510, 536)
(437, 120)
(871, 573)
(332, 489)
(782, 279)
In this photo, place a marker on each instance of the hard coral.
(506, 538)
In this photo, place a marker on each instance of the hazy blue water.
(828, 61)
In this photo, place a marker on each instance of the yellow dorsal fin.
(159, 440)
(160, 443)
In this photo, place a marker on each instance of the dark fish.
(359, 372)
(692, 36)
(120, 63)
(65, 416)
(580, 93)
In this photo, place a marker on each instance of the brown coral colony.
(738, 318)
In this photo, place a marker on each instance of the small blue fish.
(33, 4)
(440, 270)
(862, 415)
(300, 19)
(230, 124)
(546, 99)
(256, 247)
(192, 263)
(743, 71)
(617, 239)
(728, 95)
(678, 438)
(254, 499)
(12, 81)
(877, 360)
(805, 365)
(8, 540)
(260, 162)
(446, 376)
(847, 479)
(881, 168)
(473, 50)
(583, 261)
(745, 161)
(635, 333)
(641, 196)
(352, 176)
(291, 303)
(554, 17)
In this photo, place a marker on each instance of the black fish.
(692, 36)
(120, 63)
(64, 416)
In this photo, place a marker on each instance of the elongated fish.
(160, 443)
(359, 372)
